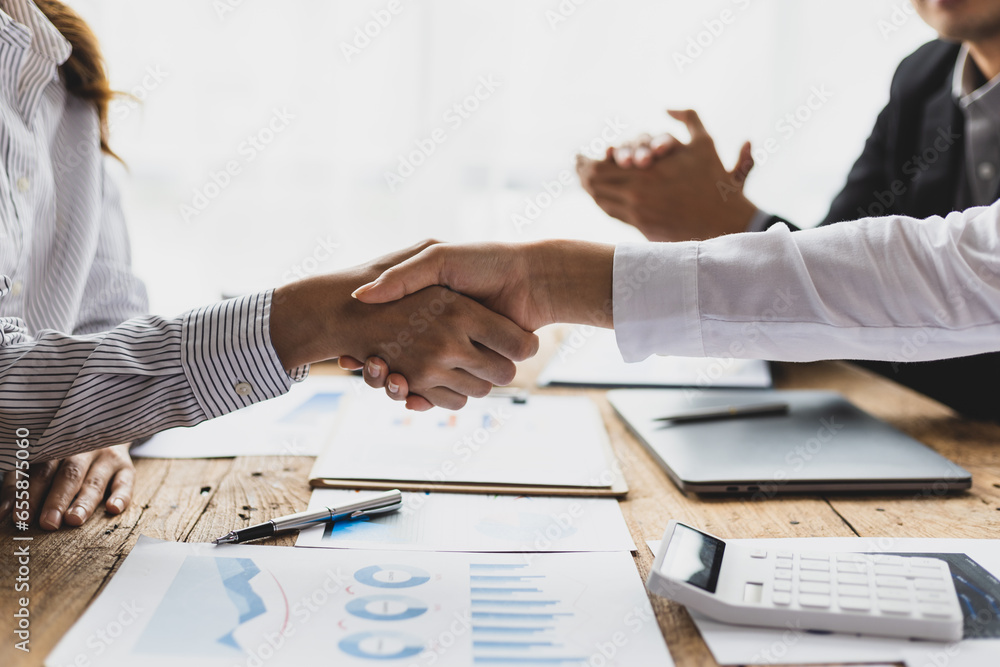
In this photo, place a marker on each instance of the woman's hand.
(69, 491)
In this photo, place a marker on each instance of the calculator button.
(817, 601)
(892, 594)
(851, 558)
(783, 564)
(782, 574)
(852, 568)
(853, 591)
(855, 604)
(927, 574)
(814, 587)
(936, 610)
(924, 562)
(809, 555)
(858, 579)
(890, 582)
(787, 586)
(758, 553)
(929, 585)
(815, 565)
(894, 607)
(783, 554)
(814, 576)
(781, 598)
(934, 596)
(895, 570)
(887, 560)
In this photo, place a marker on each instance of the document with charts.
(199, 605)
(295, 424)
(545, 445)
(474, 522)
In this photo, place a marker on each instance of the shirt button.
(23, 184)
(244, 389)
(16, 288)
(986, 171)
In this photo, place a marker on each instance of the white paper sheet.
(296, 424)
(199, 605)
(589, 356)
(731, 644)
(546, 441)
(471, 522)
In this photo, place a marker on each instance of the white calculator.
(893, 596)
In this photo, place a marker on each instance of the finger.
(420, 271)
(664, 144)
(66, 484)
(643, 157)
(396, 387)
(744, 163)
(375, 372)
(608, 194)
(95, 484)
(350, 364)
(444, 397)
(502, 336)
(39, 482)
(693, 122)
(418, 403)
(121, 490)
(623, 156)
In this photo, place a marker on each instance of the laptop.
(822, 444)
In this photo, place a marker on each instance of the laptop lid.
(823, 443)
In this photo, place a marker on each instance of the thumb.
(693, 122)
(744, 163)
(420, 271)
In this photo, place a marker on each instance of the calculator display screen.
(693, 557)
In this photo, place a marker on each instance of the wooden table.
(197, 500)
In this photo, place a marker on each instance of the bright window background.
(211, 79)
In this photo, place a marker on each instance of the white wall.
(213, 74)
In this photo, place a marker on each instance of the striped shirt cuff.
(228, 357)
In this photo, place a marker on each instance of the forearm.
(895, 289)
(76, 393)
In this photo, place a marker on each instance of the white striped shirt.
(80, 367)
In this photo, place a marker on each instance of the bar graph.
(515, 620)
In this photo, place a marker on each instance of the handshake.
(440, 322)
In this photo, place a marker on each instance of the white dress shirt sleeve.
(76, 393)
(894, 288)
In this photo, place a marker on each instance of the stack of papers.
(551, 445)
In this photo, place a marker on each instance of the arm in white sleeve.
(895, 288)
(76, 393)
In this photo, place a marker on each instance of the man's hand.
(533, 284)
(671, 191)
(448, 346)
(73, 488)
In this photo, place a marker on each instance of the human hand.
(447, 345)
(73, 488)
(669, 190)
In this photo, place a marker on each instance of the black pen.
(383, 503)
(727, 412)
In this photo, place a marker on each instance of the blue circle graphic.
(386, 607)
(381, 645)
(392, 576)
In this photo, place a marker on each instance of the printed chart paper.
(200, 605)
(296, 424)
(475, 522)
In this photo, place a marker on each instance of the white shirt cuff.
(655, 295)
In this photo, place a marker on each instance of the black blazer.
(913, 165)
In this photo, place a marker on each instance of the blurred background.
(276, 140)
